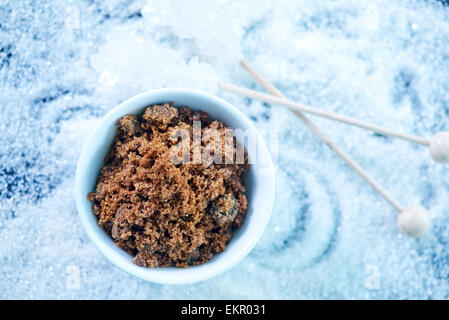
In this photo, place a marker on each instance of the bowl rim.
(170, 275)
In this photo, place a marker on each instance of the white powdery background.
(64, 65)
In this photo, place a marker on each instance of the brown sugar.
(162, 212)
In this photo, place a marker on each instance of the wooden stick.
(281, 100)
(351, 163)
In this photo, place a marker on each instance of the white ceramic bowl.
(259, 182)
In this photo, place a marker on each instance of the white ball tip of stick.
(439, 147)
(414, 221)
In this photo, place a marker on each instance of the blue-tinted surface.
(63, 65)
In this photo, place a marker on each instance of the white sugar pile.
(64, 65)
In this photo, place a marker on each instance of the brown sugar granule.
(166, 213)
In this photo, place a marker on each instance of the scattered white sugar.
(64, 65)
